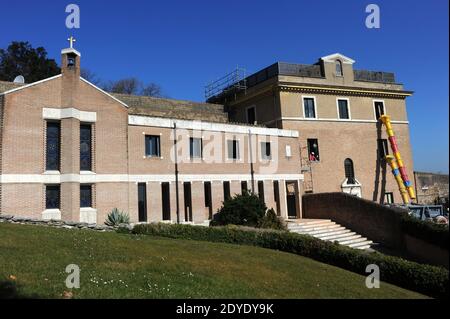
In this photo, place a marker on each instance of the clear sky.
(182, 45)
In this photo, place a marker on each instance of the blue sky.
(182, 45)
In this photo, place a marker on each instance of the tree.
(90, 76)
(20, 58)
(133, 86)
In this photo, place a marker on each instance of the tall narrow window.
(349, 171)
(208, 198)
(244, 187)
(313, 149)
(165, 195)
(52, 196)
(85, 195)
(152, 146)
(251, 115)
(187, 201)
(233, 149)
(309, 107)
(276, 196)
(389, 198)
(266, 152)
(261, 190)
(343, 109)
(379, 109)
(53, 146)
(85, 147)
(195, 147)
(142, 202)
(226, 190)
(383, 148)
(338, 68)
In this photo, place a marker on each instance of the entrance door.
(142, 202)
(291, 199)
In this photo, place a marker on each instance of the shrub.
(427, 231)
(116, 217)
(429, 280)
(243, 209)
(271, 220)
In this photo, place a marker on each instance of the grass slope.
(128, 266)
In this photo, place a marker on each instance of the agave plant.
(117, 217)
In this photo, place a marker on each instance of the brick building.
(70, 150)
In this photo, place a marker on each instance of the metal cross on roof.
(71, 41)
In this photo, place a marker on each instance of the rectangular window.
(389, 198)
(165, 195)
(313, 149)
(152, 146)
(195, 147)
(187, 201)
(251, 115)
(233, 149)
(266, 151)
(383, 148)
(244, 187)
(309, 107)
(85, 147)
(226, 190)
(261, 190)
(53, 146)
(142, 202)
(52, 196)
(343, 109)
(379, 109)
(276, 196)
(85, 195)
(208, 198)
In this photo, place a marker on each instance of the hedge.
(436, 234)
(426, 279)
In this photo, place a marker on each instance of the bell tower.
(70, 59)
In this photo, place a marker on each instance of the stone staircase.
(326, 229)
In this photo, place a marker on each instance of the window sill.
(52, 173)
(87, 173)
(51, 213)
(153, 157)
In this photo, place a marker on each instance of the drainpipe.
(252, 172)
(176, 170)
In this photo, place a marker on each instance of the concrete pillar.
(133, 207)
(181, 201)
(154, 202)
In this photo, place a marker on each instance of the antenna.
(19, 79)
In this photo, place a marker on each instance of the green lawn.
(129, 266)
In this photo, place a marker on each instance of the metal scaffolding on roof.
(233, 81)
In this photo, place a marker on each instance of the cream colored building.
(335, 109)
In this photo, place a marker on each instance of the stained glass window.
(52, 197)
(85, 196)
(85, 147)
(53, 140)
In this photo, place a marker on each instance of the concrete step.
(328, 230)
(336, 234)
(316, 228)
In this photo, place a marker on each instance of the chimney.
(70, 60)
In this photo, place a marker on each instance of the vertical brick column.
(70, 164)
(269, 195)
(181, 201)
(199, 214)
(154, 202)
(217, 195)
(235, 188)
(283, 199)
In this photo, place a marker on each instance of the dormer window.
(338, 68)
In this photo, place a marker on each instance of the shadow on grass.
(9, 290)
